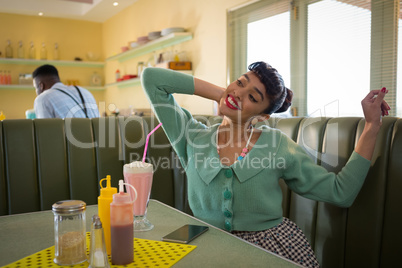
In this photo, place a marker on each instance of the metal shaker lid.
(97, 224)
(69, 206)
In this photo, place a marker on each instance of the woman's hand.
(374, 106)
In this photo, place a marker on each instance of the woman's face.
(244, 98)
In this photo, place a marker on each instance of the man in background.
(56, 100)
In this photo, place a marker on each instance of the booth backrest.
(43, 161)
(46, 160)
(364, 234)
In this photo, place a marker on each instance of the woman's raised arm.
(374, 106)
(207, 90)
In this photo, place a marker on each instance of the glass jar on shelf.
(56, 52)
(32, 51)
(43, 52)
(96, 79)
(20, 52)
(9, 50)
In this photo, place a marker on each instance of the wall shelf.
(160, 43)
(98, 64)
(136, 81)
(30, 87)
(17, 87)
(126, 83)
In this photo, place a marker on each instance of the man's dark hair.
(46, 70)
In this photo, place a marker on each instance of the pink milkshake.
(139, 174)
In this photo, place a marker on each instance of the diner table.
(24, 234)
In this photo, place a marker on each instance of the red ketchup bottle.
(121, 226)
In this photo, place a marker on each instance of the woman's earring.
(254, 121)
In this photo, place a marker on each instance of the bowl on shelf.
(124, 49)
(142, 40)
(91, 56)
(133, 44)
(172, 30)
(154, 35)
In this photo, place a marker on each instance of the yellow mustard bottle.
(2, 116)
(104, 200)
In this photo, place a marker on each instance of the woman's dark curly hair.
(280, 97)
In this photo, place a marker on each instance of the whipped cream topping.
(138, 167)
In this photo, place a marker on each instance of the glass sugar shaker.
(69, 232)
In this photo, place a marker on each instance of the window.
(333, 53)
(399, 74)
(338, 57)
(268, 40)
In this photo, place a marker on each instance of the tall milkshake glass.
(139, 174)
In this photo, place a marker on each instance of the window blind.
(399, 68)
(373, 27)
(338, 58)
(238, 20)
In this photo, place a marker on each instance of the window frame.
(383, 55)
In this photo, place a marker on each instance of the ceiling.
(90, 10)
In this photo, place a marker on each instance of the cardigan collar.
(208, 164)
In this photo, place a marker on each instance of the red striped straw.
(147, 141)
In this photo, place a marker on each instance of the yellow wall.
(75, 39)
(205, 19)
(207, 50)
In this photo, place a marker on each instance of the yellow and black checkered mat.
(147, 253)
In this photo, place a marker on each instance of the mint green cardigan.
(245, 196)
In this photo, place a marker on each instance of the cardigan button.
(227, 195)
(227, 214)
(228, 226)
(228, 173)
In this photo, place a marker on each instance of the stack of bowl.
(154, 35)
(142, 40)
(172, 30)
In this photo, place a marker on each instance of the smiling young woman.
(233, 168)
